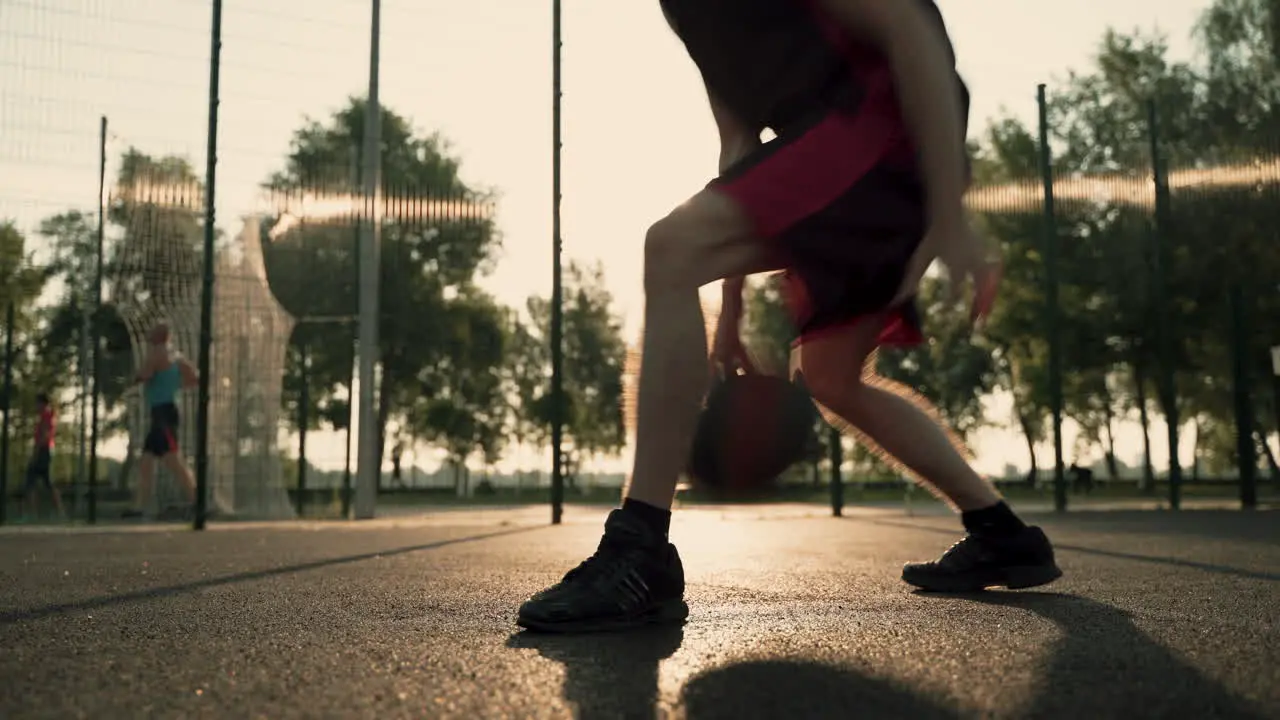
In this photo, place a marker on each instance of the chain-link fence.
(1139, 273)
(106, 113)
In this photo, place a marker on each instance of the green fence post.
(1245, 451)
(303, 401)
(346, 463)
(206, 278)
(557, 290)
(95, 327)
(7, 397)
(1275, 386)
(837, 477)
(1051, 302)
(1164, 327)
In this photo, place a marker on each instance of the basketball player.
(860, 191)
(41, 463)
(163, 374)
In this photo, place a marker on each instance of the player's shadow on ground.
(1105, 666)
(608, 675)
(616, 676)
(1102, 666)
(799, 690)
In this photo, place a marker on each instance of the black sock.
(996, 520)
(657, 519)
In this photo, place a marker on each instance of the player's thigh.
(834, 360)
(155, 444)
(38, 466)
(707, 238)
(30, 481)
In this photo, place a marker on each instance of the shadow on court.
(608, 675)
(17, 616)
(1103, 666)
(801, 689)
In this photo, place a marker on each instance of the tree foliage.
(436, 241)
(1119, 262)
(471, 377)
(20, 286)
(594, 359)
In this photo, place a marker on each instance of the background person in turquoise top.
(164, 373)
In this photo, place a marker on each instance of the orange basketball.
(752, 428)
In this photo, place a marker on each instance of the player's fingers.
(745, 362)
(715, 365)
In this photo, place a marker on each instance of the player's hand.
(968, 258)
(727, 350)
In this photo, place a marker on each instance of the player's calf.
(1000, 550)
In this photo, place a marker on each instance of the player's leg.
(169, 420)
(46, 477)
(30, 489)
(1000, 549)
(173, 462)
(154, 446)
(146, 481)
(635, 576)
(704, 240)
(749, 221)
(57, 499)
(837, 366)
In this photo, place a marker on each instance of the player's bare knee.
(835, 387)
(669, 255)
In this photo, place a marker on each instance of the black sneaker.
(978, 562)
(634, 578)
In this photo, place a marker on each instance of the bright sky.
(638, 137)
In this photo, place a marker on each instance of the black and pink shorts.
(840, 197)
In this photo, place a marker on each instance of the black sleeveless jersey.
(776, 62)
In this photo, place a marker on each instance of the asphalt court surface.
(794, 615)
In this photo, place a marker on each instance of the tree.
(461, 406)
(1107, 239)
(20, 284)
(73, 239)
(952, 370)
(527, 375)
(155, 267)
(1008, 163)
(594, 359)
(1109, 235)
(437, 237)
(1240, 40)
(767, 328)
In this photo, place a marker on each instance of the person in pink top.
(41, 463)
